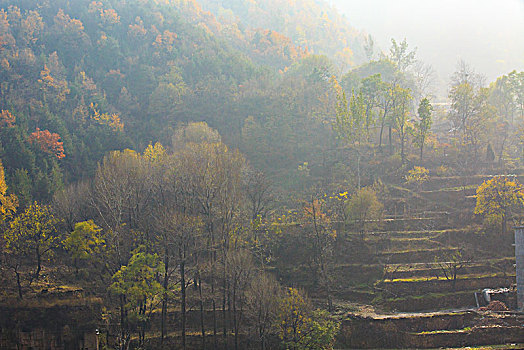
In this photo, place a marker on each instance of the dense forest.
(214, 161)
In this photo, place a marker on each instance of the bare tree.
(258, 192)
(180, 237)
(71, 204)
(323, 238)
(110, 196)
(424, 76)
(452, 263)
(240, 274)
(214, 175)
(262, 303)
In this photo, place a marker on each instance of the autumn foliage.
(48, 142)
(498, 199)
(111, 120)
(8, 203)
(7, 119)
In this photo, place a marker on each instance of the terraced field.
(407, 266)
(419, 251)
(432, 330)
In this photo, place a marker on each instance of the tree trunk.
(183, 301)
(19, 284)
(390, 142)
(358, 168)
(39, 262)
(212, 282)
(215, 326)
(122, 323)
(402, 142)
(382, 124)
(235, 321)
(328, 287)
(323, 274)
(75, 263)
(224, 299)
(454, 277)
(144, 322)
(202, 326)
(501, 153)
(165, 297)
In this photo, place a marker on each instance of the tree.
(240, 274)
(501, 97)
(452, 263)
(386, 105)
(258, 191)
(7, 119)
(68, 37)
(178, 239)
(401, 56)
(507, 97)
(301, 328)
(155, 153)
(517, 82)
(8, 206)
(188, 229)
(371, 91)
(71, 204)
(351, 123)
(194, 133)
(48, 142)
(364, 208)
(85, 242)
(490, 154)
(418, 175)
(498, 199)
(369, 47)
(323, 238)
(423, 125)
(213, 174)
(110, 120)
(262, 302)
(8, 203)
(424, 79)
(121, 195)
(53, 81)
(259, 196)
(32, 26)
(470, 110)
(136, 286)
(165, 100)
(30, 239)
(21, 185)
(400, 116)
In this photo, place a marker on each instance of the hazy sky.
(488, 34)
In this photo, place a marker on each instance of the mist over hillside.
(310, 24)
(256, 175)
(488, 34)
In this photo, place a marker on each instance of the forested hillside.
(219, 174)
(90, 77)
(102, 76)
(310, 24)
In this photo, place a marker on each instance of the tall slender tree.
(351, 123)
(423, 125)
